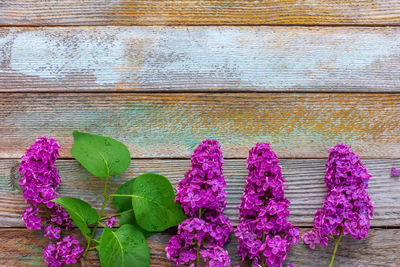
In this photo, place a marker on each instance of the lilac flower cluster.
(40, 178)
(347, 208)
(39, 183)
(395, 172)
(264, 234)
(65, 251)
(202, 196)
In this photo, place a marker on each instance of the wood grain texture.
(172, 125)
(305, 180)
(380, 248)
(346, 59)
(195, 12)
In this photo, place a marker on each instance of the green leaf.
(153, 203)
(124, 204)
(126, 246)
(129, 218)
(80, 211)
(101, 156)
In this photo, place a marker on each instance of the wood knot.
(14, 177)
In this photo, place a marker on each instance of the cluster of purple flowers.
(202, 196)
(347, 208)
(395, 172)
(264, 234)
(39, 183)
(65, 251)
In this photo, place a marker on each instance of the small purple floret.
(110, 222)
(263, 231)
(347, 206)
(52, 232)
(202, 196)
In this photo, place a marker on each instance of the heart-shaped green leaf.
(101, 156)
(125, 204)
(126, 246)
(80, 211)
(153, 203)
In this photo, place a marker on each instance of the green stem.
(263, 264)
(116, 214)
(132, 196)
(198, 247)
(48, 215)
(336, 246)
(198, 255)
(100, 215)
(262, 254)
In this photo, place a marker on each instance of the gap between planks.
(215, 12)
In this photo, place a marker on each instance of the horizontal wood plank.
(22, 247)
(172, 125)
(305, 180)
(348, 59)
(190, 12)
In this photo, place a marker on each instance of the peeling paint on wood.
(305, 181)
(197, 12)
(200, 58)
(170, 125)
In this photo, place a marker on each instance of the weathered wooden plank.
(381, 248)
(192, 12)
(305, 179)
(171, 125)
(200, 59)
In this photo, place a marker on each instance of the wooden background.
(163, 75)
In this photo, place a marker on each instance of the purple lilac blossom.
(264, 234)
(39, 183)
(215, 256)
(40, 178)
(110, 222)
(52, 232)
(395, 172)
(347, 207)
(65, 251)
(31, 218)
(202, 196)
(61, 217)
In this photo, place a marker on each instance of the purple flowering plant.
(347, 208)
(145, 204)
(201, 194)
(264, 234)
(395, 172)
(40, 181)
